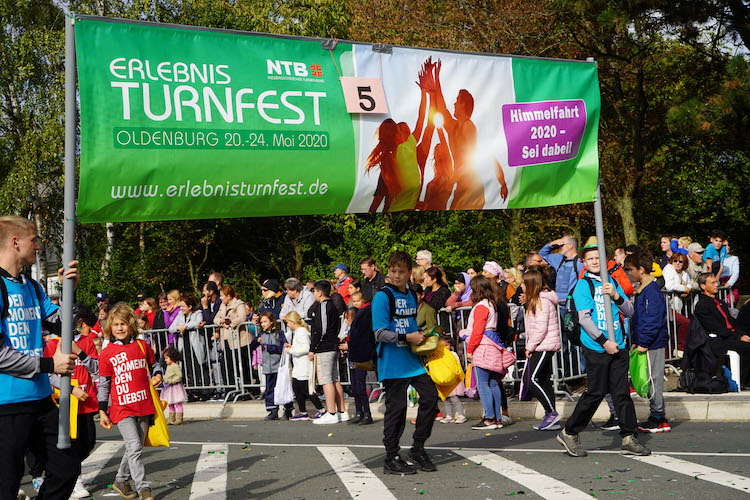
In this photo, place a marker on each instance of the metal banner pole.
(69, 229)
(599, 220)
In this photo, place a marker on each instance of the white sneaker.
(22, 495)
(328, 418)
(506, 420)
(343, 416)
(80, 490)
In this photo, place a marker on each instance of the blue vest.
(22, 331)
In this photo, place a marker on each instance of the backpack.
(571, 328)
(362, 344)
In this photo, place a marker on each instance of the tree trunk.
(142, 237)
(515, 236)
(110, 249)
(298, 258)
(624, 207)
(42, 254)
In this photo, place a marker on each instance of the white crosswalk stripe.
(210, 480)
(357, 478)
(544, 486)
(207, 474)
(698, 471)
(93, 465)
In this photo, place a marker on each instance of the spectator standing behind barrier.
(340, 272)
(607, 362)
(723, 333)
(231, 314)
(171, 312)
(649, 335)
(566, 264)
(399, 367)
(159, 319)
(424, 259)
(272, 298)
(677, 279)
(192, 344)
(542, 324)
(461, 296)
(373, 280)
(436, 292)
(494, 272)
(715, 252)
(666, 251)
(729, 273)
(696, 265)
(28, 416)
(426, 315)
(324, 351)
(210, 302)
(298, 299)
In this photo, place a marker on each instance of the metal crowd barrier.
(216, 358)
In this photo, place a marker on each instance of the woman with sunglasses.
(677, 279)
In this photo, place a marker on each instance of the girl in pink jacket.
(542, 341)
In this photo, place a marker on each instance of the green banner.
(186, 123)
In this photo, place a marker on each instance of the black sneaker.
(398, 465)
(652, 425)
(612, 424)
(357, 418)
(422, 459)
(272, 415)
(366, 419)
(485, 424)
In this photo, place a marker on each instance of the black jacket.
(210, 312)
(370, 287)
(324, 337)
(709, 313)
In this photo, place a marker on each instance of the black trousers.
(301, 394)
(540, 364)
(36, 430)
(86, 440)
(720, 347)
(196, 374)
(394, 420)
(606, 373)
(359, 391)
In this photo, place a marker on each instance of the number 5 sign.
(364, 95)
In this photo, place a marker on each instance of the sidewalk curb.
(690, 407)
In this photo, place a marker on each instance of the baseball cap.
(342, 267)
(141, 297)
(102, 296)
(695, 247)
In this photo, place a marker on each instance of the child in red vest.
(124, 368)
(87, 365)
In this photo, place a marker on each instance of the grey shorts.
(327, 364)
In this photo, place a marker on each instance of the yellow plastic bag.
(444, 369)
(73, 408)
(158, 432)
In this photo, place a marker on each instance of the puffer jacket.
(543, 328)
(484, 352)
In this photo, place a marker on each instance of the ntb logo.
(292, 68)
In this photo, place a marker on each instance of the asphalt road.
(295, 460)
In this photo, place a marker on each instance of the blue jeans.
(490, 393)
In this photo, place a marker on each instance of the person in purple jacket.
(649, 334)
